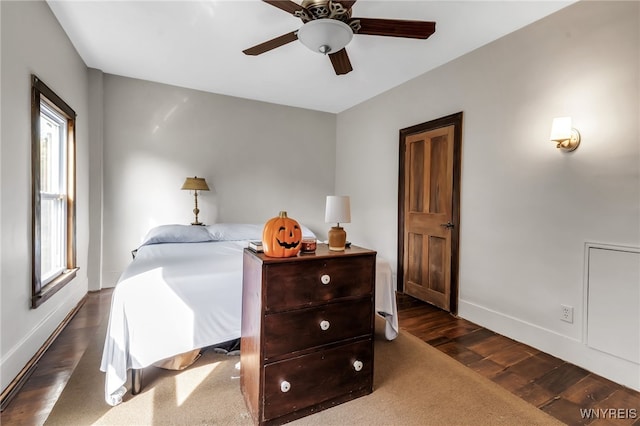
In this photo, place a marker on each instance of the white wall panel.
(613, 309)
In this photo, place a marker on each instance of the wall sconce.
(566, 137)
(195, 184)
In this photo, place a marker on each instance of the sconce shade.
(195, 184)
(338, 209)
(566, 137)
(561, 129)
(325, 35)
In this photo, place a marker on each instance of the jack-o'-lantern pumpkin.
(281, 236)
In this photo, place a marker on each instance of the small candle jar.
(308, 245)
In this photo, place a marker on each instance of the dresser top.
(322, 252)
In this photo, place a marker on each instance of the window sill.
(53, 286)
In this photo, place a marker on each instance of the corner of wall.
(96, 113)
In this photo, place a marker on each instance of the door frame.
(456, 121)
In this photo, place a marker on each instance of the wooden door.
(429, 215)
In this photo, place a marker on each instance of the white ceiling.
(198, 44)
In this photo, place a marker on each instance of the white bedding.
(177, 297)
(171, 299)
(386, 298)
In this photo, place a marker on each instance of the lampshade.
(325, 35)
(195, 184)
(338, 209)
(560, 129)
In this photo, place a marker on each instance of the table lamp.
(195, 184)
(338, 210)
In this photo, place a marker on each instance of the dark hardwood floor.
(32, 405)
(556, 387)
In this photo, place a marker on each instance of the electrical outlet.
(566, 313)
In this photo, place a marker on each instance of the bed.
(183, 292)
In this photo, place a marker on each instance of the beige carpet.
(414, 384)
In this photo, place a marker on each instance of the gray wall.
(33, 42)
(258, 158)
(527, 210)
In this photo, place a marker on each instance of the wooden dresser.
(307, 331)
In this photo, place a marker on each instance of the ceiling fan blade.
(340, 61)
(271, 44)
(286, 5)
(396, 27)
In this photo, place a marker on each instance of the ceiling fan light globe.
(325, 35)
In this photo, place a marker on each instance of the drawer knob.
(324, 325)
(285, 386)
(325, 279)
(357, 365)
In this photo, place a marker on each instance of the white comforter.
(174, 298)
(171, 299)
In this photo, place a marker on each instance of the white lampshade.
(325, 35)
(338, 209)
(560, 129)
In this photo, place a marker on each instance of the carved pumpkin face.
(281, 236)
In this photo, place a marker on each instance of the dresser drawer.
(289, 332)
(307, 380)
(299, 284)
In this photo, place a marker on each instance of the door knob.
(447, 225)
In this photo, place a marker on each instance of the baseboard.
(569, 349)
(16, 384)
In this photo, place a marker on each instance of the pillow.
(176, 234)
(307, 233)
(244, 231)
(235, 231)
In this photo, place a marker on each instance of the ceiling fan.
(328, 27)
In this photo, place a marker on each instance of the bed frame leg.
(136, 381)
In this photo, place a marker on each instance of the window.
(53, 180)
